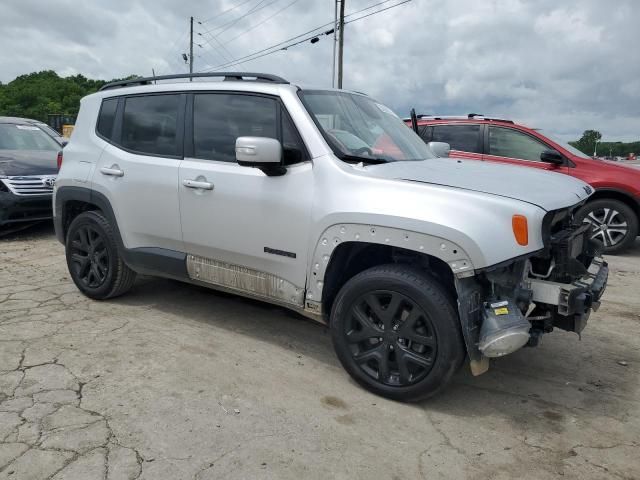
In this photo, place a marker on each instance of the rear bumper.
(24, 208)
(574, 301)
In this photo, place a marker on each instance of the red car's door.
(509, 145)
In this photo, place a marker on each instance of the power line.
(208, 57)
(310, 31)
(242, 60)
(222, 13)
(186, 32)
(219, 50)
(368, 8)
(253, 27)
(284, 45)
(281, 43)
(377, 11)
(226, 26)
(285, 41)
(172, 50)
(250, 12)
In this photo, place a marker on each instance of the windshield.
(25, 137)
(564, 144)
(359, 128)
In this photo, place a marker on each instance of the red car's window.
(465, 138)
(506, 142)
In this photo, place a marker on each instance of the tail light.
(59, 160)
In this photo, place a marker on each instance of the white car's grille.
(30, 184)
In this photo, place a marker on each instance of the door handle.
(198, 184)
(114, 171)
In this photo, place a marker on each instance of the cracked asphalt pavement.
(178, 382)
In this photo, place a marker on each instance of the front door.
(239, 225)
(508, 145)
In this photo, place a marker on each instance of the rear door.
(465, 139)
(138, 169)
(509, 145)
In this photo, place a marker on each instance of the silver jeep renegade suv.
(324, 202)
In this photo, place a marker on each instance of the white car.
(324, 202)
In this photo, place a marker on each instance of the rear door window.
(150, 124)
(465, 138)
(507, 142)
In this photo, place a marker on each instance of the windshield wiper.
(357, 159)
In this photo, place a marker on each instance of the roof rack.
(470, 116)
(228, 76)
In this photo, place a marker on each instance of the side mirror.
(260, 152)
(440, 149)
(552, 156)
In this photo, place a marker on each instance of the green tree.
(588, 141)
(37, 94)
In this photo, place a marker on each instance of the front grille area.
(30, 185)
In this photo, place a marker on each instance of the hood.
(629, 168)
(547, 190)
(28, 162)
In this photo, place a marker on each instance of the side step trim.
(243, 279)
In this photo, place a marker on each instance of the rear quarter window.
(106, 118)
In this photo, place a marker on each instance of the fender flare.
(86, 195)
(445, 250)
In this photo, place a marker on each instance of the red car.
(614, 208)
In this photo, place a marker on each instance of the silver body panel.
(548, 190)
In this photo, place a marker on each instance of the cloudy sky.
(564, 66)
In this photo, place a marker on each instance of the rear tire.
(615, 224)
(94, 262)
(397, 333)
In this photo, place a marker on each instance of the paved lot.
(178, 382)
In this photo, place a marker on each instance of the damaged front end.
(508, 306)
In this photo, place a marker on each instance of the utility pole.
(191, 48)
(335, 40)
(341, 44)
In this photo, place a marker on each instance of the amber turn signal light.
(520, 229)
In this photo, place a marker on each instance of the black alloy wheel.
(396, 331)
(391, 337)
(89, 256)
(93, 258)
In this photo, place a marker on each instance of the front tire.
(93, 260)
(614, 224)
(397, 333)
